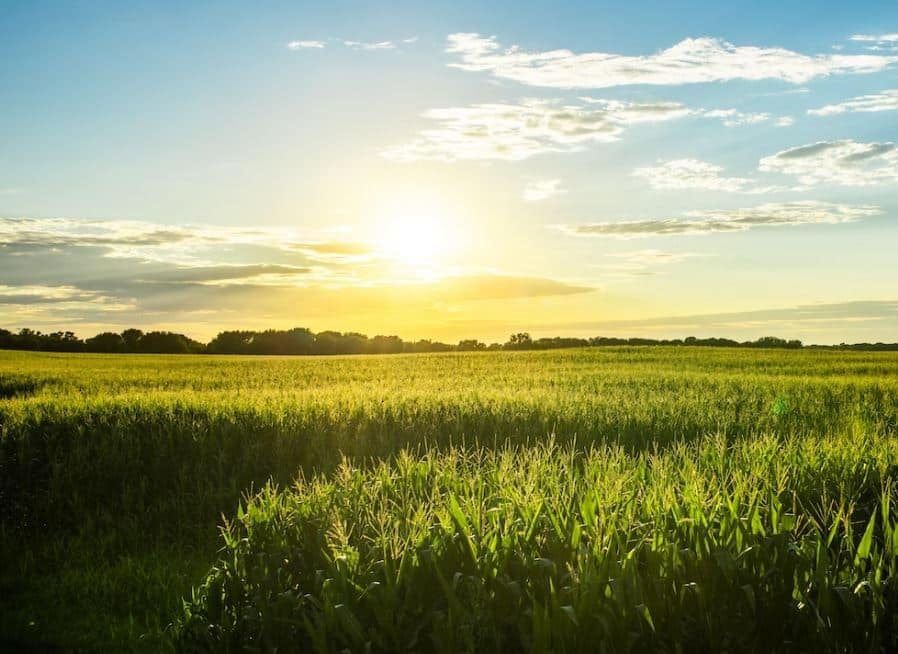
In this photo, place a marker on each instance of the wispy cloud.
(542, 189)
(37, 300)
(727, 220)
(654, 257)
(62, 272)
(361, 45)
(235, 273)
(846, 163)
(734, 118)
(681, 174)
(691, 174)
(875, 38)
(640, 263)
(184, 244)
(306, 45)
(39, 294)
(349, 43)
(883, 101)
(329, 249)
(518, 131)
(498, 286)
(689, 61)
(877, 42)
(134, 256)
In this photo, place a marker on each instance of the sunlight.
(414, 240)
(416, 236)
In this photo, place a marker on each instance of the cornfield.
(605, 499)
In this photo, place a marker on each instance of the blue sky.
(451, 170)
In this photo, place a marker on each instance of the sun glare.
(417, 237)
(414, 240)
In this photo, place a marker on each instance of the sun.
(416, 237)
(414, 240)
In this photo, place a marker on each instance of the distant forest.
(303, 341)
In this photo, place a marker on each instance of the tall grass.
(120, 467)
(101, 441)
(765, 545)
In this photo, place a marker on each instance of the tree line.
(302, 341)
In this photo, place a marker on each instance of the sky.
(451, 170)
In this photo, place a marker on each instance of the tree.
(519, 341)
(470, 345)
(105, 342)
(386, 345)
(130, 337)
(326, 342)
(231, 342)
(167, 343)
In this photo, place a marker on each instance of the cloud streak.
(694, 223)
(306, 45)
(514, 132)
(734, 118)
(149, 241)
(845, 163)
(688, 62)
(883, 101)
(542, 189)
(362, 45)
(875, 38)
(687, 174)
(61, 271)
(235, 273)
(640, 263)
(680, 174)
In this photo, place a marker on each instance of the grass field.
(604, 499)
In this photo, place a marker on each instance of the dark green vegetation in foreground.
(566, 500)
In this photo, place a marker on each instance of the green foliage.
(762, 545)
(735, 489)
(302, 341)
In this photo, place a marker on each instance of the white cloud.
(680, 174)
(181, 245)
(690, 174)
(734, 118)
(63, 297)
(360, 45)
(883, 101)
(727, 220)
(411, 39)
(653, 257)
(875, 38)
(306, 45)
(518, 131)
(846, 163)
(542, 189)
(62, 271)
(689, 61)
(877, 42)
